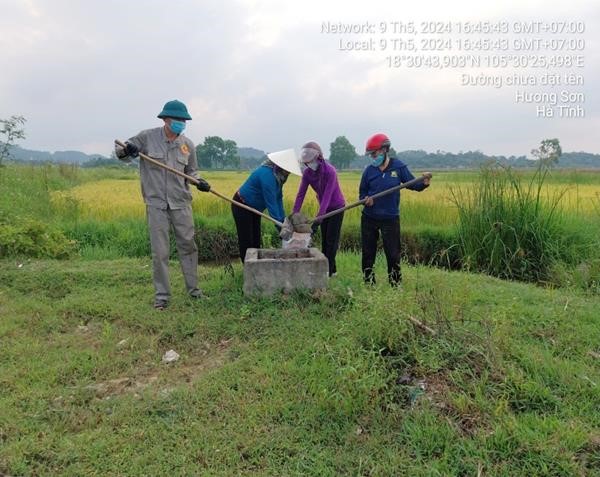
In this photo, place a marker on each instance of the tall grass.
(28, 215)
(509, 226)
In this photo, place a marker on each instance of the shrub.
(216, 243)
(33, 238)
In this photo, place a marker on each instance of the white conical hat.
(286, 160)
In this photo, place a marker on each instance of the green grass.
(298, 384)
(339, 383)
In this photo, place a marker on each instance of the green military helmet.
(174, 109)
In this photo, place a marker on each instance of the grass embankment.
(336, 384)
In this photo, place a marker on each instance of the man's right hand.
(203, 186)
(131, 150)
(368, 202)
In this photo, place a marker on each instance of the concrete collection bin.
(267, 271)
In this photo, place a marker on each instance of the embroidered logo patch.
(394, 174)
(185, 149)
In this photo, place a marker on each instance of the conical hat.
(286, 160)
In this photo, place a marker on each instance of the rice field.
(116, 199)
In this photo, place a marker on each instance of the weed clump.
(33, 238)
(508, 228)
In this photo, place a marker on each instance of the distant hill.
(420, 159)
(579, 159)
(251, 158)
(72, 157)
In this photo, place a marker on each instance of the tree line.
(218, 153)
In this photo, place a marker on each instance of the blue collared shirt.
(374, 180)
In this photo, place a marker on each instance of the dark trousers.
(390, 233)
(248, 228)
(330, 239)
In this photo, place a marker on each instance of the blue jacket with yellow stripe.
(374, 180)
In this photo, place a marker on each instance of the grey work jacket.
(160, 188)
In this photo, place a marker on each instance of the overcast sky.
(262, 72)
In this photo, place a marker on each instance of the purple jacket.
(324, 182)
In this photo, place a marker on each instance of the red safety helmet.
(376, 142)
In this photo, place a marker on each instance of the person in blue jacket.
(262, 190)
(382, 215)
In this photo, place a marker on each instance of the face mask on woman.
(310, 157)
(314, 165)
(378, 160)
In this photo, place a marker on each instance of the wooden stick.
(374, 196)
(422, 325)
(193, 180)
(244, 206)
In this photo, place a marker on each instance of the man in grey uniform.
(167, 197)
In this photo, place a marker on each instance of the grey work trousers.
(182, 223)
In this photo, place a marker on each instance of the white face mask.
(314, 165)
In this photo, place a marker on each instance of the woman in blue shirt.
(262, 190)
(382, 215)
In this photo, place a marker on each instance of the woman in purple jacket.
(322, 177)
